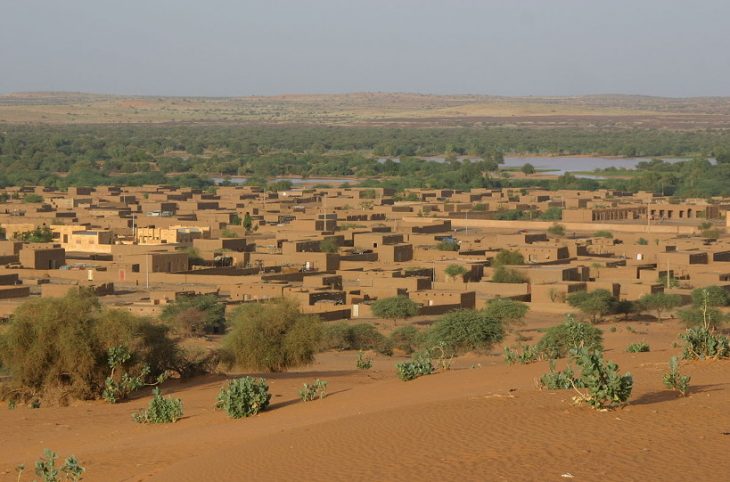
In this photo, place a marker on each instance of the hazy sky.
(262, 47)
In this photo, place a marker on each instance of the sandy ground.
(482, 420)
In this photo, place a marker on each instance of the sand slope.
(488, 422)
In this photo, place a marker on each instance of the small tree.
(559, 340)
(448, 244)
(508, 311)
(660, 303)
(196, 315)
(506, 275)
(527, 169)
(506, 257)
(328, 245)
(395, 308)
(247, 222)
(556, 229)
(704, 311)
(272, 336)
(454, 270)
(595, 304)
(465, 330)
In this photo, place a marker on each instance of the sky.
(673, 48)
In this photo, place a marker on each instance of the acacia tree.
(595, 304)
(508, 311)
(454, 270)
(704, 311)
(660, 303)
(395, 308)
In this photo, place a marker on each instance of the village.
(335, 250)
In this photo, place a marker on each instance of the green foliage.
(710, 295)
(328, 245)
(448, 244)
(32, 198)
(529, 354)
(704, 311)
(405, 338)
(247, 222)
(660, 303)
(508, 311)
(272, 336)
(642, 242)
(118, 386)
(559, 379)
(363, 336)
(196, 315)
(395, 308)
(606, 387)
(46, 469)
(244, 397)
(506, 275)
(700, 343)
(603, 234)
(527, 168)
(552, 214)
(556, 230)
(465, 330)
(160, 410)
(418, 366)
(318, 389)
(639, 347)
(41, 234)
(454, 270)
(227, 233)
(558, 341)
(595, 304)
(58, 346)
(508, 258)
(363, 362)
(675, 380)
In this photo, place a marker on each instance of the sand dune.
(482, 420)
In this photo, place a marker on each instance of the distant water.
(561, 165)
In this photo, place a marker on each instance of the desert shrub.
(523, 355)
(675, 380)
(595, 304)
(509, 312)
(196, 315)
(642, 242)
(405, 338)
(363, 336)
(244, 397)
(455, 270)
(60, 346)
(46, 469)
(418, 366)
(559, 379)
(40, 234)
(318, 389)
(328, 245)
(506, 257)
(272, 336)
(363, 362)
(603, 234)
(395, 308)
(660, 303)
(559, 340)
(704, 311)
(605, 387)
(640, 347)
(448, 244)
(465, 330)
(192, 362)
(160, 410)
(700, 343)
(120, 383)
(506, 275)
(556, 229)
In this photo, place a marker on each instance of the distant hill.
(397, 109)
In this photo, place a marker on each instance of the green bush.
(120, 383)
(571, 334)
(606, 387)
(700, 343)
(160, 410)
(660, 303)
(638, 348)
(556, 230)
(528, 354)
(363, 336)
(559, 379)
(318, 389)
(506, 257)
(448, 244)
(595, 304)
(416, 367)
(405, 339)
(465, 330)
(675, 380)
(328, 245)
(603, 234)
(196, 315)
(509, 312)
(244, 397)
(506, 275)
(46, 469)
(363, 362)
(272, 336)
(58, 348)
(395, 308)
(704, 311)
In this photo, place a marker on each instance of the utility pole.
(148, 270)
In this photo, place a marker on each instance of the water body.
(561, 165)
